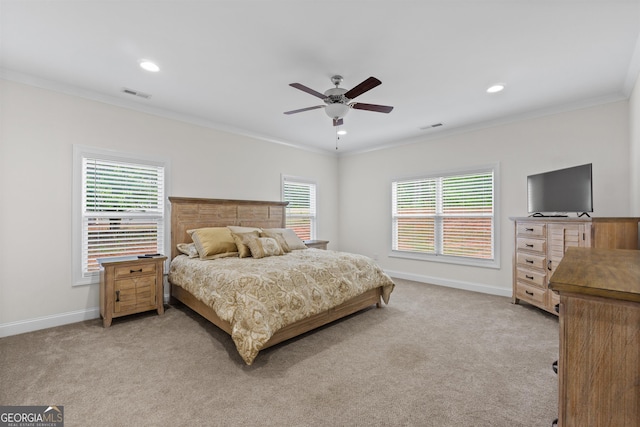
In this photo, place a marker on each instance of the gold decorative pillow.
(262, 246)
(279, 238)
(241, 229)
(214, 242)
(243, 249)
(188, 249)
(290, 237)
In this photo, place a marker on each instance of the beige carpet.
(434, 357)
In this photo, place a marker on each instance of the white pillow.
(290, 236)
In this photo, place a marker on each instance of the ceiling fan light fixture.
(336, 111)
(341, 132)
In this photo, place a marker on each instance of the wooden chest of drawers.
(530, 272)
(540, 245)
(599, 365)
(131, 286)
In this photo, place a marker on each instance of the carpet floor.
(434, 356)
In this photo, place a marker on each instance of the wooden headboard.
(188, 213)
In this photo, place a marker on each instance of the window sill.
(493, 263)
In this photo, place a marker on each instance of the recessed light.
(342, 132)
(496, 88)
(149, 66)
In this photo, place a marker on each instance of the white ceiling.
(228, 64)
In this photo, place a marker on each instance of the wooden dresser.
(131, 286)
(540, 245)
(599, 365)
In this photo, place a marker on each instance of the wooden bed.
(192, 213)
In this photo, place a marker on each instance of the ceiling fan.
(338, 100)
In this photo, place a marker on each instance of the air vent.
(135, 93)
(435, 125)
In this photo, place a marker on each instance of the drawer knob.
(549, 265)
(117, 296)
(528, 229)
(530, 261)
(136, 271)
(529, 245)
(528, 293)
(528, 277)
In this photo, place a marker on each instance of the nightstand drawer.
(135, 270)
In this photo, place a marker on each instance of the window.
(301, 210)
(118, 208)
(450, 217)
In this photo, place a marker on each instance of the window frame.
(81, 152)
(438, 257)
(314, 217)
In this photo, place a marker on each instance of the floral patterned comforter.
(260, 296)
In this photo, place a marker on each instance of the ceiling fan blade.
(308, 90)
(304, 109)
(363, 87)
(372, 107)
(338, 122)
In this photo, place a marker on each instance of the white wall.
(38, 128)
(598, 135)
(634, 149)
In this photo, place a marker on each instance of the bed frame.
(190, 213)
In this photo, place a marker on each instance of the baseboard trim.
(45, 322)
(30, 325)
(457, 284)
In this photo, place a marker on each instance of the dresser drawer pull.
(528, 293)
(549, 265)
(528, 229)
(135, 271)
(528, 277)
(117, 296)
(529, 245)
(529, 261)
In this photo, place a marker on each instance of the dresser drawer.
(535, 245)
(531, 294)
(534, 278)
(135, 270)
(531, 260)
(531, 229)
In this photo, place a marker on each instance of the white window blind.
(301, 210)
(449, 215)
(122, 210)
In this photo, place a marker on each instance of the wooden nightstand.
(131, 286)
(318, 244)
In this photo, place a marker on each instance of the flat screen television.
(561, 191)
